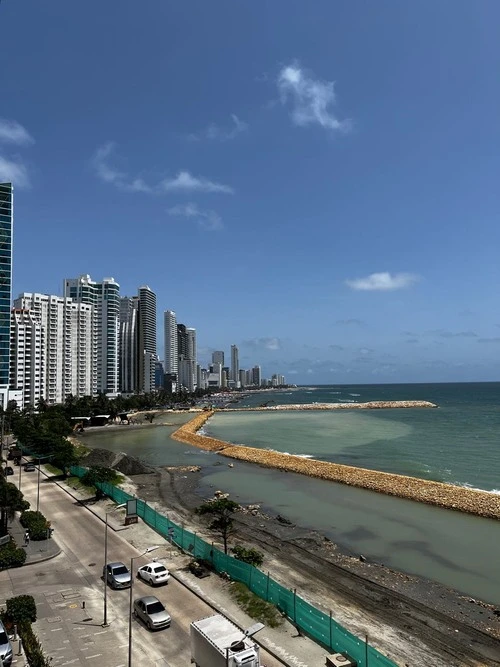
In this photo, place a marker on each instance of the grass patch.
(76, 484)
(81, 450)
(260, 610)
(52, 469)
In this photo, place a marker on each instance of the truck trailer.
(216, 642)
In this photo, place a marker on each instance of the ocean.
(457, 443)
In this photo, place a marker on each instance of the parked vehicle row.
(149, 609)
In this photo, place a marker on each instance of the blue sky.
(315, 182)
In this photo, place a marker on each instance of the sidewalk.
(36, 551)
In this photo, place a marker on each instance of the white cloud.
(183, 182)
(13, 132)
(215, 132)
(383, 281)
(104, 171)
(13, 172)
(208, 220)
(268, 343)
(311, 99)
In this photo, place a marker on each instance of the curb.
(42, 559)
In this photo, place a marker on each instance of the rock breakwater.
(370, 405)
(439, 494)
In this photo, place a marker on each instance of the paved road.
(72, 632)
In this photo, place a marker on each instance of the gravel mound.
(128, 465)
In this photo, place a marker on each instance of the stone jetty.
(443, 495)
(371, 405)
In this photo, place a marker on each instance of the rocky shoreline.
(447, 496)
(370, 405)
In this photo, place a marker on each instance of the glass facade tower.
(6, 221)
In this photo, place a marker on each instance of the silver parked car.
(5, 647)
(152, 612)
(117, 575)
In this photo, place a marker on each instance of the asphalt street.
(69, 592)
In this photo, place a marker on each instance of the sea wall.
(443, 495)
(371, 405)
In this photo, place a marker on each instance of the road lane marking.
(89, 657)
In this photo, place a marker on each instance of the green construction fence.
(316, 624)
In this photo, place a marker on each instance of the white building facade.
(105, 298)
(66, 345)
(27, 368)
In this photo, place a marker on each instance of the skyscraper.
(6, 222)
(105, 297)
(218, 357)
(171, 346)
(147, 339)
(235, 365)
(129, 367)
(186, 346)
(256, 376)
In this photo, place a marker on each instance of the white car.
(154, 573)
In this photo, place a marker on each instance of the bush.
(96, 474)
(36, 524)
(250, 556)
(32, 647)
(21, 608)
(11, 556)
(260, 610)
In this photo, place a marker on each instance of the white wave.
(466, 485)
(354, 394)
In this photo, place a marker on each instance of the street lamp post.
(148, 550)
(20, 465)
(38, 483)
(105, 574)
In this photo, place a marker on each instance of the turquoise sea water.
(458, 442)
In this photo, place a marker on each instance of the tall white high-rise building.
(235, 365)
(105, 297)
(66, 346)
(147, 339)
(171, 363)
(27, 368)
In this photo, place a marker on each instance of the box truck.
(216, 642)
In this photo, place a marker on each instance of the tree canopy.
(221, 511)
